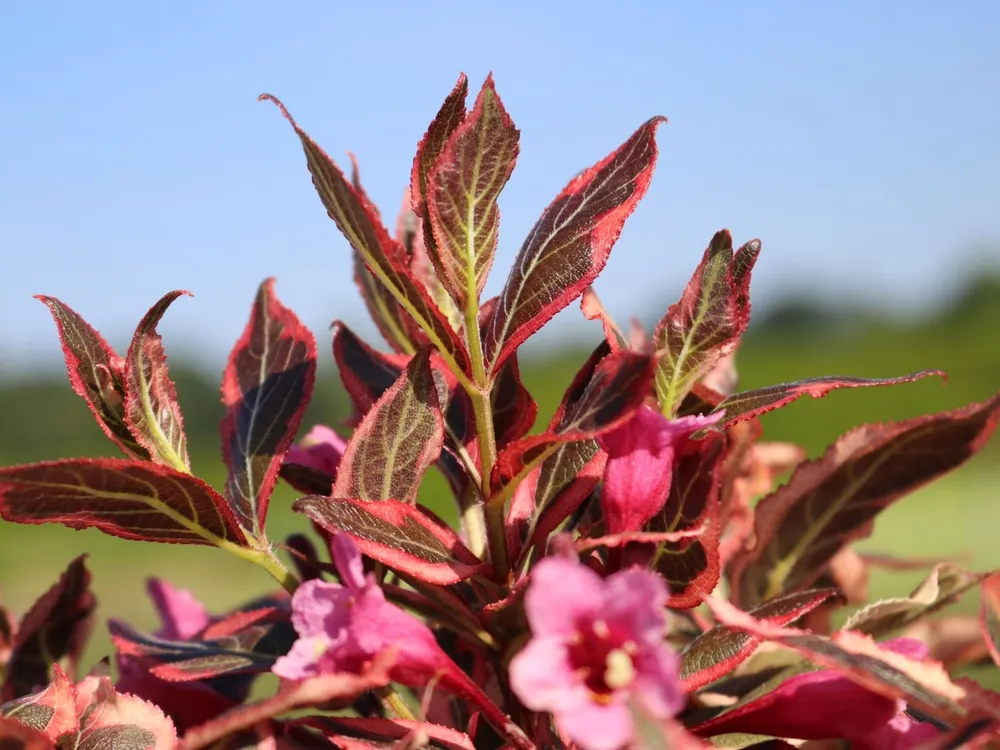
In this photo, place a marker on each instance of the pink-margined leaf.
(832, 500)
(448, 118)
(463, 186)
(266, 388)
(569, 245)
(96, 373)
(108, 718)
(748, 404)
(17, 736)
(51, 710)
(398, 439)
(707, 323)
(384, 256)
(151, 409)
(397, 534)
(56, 627)
(127, 499)
(717, 652)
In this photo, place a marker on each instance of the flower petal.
(301, 662)
(347, 558)
(561, 591)
(636, 598)
(658, 682)
(597, 727)
(541, 676)
(320, 608)
(183, 616)
(321, 449)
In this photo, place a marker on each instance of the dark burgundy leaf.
(266, 388)
(461, 196)
(448, 118)
(384, 256)
(691, 566)
(128, 499)
(398, 535)
(831, 501)
(398, 439)
(743, 406)
(56, 627)
(707, 323)
(569, 245)
(718, 651)
(96, 374)
(151, 407)
(393, 322)
(514, 410)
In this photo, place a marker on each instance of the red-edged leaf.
(248, 645)
(399, 535)
(616, 388)
(462, 193)
(707, 323)
(51, 711)
(315, 691)
(924, 685)
(448, 118)
(990, 615)
(17, 736)
(691, 566)
(127, 499)
(393, 322)
(743, 406)
(117, 720)
(266, 388)
(384, 256)
(717, 652)
(514, 410)
(570, 244)
(398, 439)
(56, 627)
(386, 732)
(831, 501)
(562, 488)
(96, 374)
(151, 407)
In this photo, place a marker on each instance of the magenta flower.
(824, 705)
(596, 644)
(640, 466)
(320, 449)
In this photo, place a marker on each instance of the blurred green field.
(958, 516)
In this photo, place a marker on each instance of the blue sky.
(858, 140)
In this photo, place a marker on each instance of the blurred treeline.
(42, 418)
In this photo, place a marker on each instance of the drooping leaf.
(398, 439)
(127, 499)
(720, 650)
(96, 374)
(924, 685)
(51, 711)
(691, 566)
(945, 584)
(266, 388)
(384, 256)
(707, 323)
(615, 389)
(569, 245)
(463, 186)
(743, 406)
(990, 615)
(56, 627)
(397, 534)
(448, 118)
(243, 644)
(832, 500)
(151, 407)
(316, 691)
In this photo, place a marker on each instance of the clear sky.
(857, 139)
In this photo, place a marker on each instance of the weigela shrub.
(614, 580)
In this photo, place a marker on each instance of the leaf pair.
(152, 496)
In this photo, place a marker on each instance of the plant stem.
(394, 704)
(266, 559)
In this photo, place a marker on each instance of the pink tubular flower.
(596, 644)
(320, 449)
(640, 466)
(825, 705)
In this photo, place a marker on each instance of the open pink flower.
(824, 705)
(320, 449)
(640, 466)
(596, 644)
